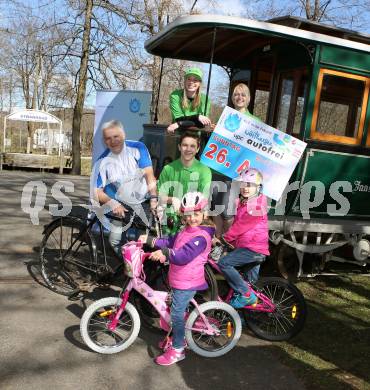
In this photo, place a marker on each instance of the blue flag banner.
(240, 142)
(132, 108)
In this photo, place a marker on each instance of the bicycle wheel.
(94, 326)
(66, 255)
(157, 278)
(222, 317)
(289, 316)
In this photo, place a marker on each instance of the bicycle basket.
(133, 259)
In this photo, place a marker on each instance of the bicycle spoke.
(280, 302)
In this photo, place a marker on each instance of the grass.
(333, 350)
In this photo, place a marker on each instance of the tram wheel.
(287, 262)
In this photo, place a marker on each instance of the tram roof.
(190, 37)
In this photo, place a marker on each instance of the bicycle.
(280, 311)
(111, 325)
(71, 260)
(157, 278)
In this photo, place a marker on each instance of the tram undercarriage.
(297, 240)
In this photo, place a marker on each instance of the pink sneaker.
(169, 357)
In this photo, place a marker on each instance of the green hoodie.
(178, 112)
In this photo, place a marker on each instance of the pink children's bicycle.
(111, 325)
(280, 311)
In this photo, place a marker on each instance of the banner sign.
(132, 108)
(33, 116)
(240, 142)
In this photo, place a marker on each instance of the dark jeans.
(239, 257)
(180, 301)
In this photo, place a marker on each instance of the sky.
(258, 9)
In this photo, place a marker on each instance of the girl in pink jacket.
(249, 235)
(187, 253)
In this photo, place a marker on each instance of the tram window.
(290, 102)
(340, 107)
(340, 103)
(262, 93)
(261, 104)
(299, 113)
(284, 103)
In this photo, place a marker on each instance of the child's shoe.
(169, 357)
(241, 300)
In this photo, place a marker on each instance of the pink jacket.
(190, 275)
(250, 226)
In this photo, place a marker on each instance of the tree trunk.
(81, 91)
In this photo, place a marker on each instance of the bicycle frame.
(266, 305)
(158, 299)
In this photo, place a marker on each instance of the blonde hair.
(185, 102)
(207, 220)
(244, 89)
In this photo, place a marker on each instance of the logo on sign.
(232, 122)
(134, 105)
(282, 143)
(238, 137)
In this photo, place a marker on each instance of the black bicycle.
(74, 253)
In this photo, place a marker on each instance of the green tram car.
(311, 81)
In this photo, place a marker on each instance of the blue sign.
(132, 108)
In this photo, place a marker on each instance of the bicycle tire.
(289, 317)
(150, 317)
(222, 316)
(98, 337)
(61, 274)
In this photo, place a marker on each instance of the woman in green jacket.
(189, 104)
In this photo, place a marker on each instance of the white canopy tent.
(28, 115)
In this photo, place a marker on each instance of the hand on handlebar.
(119, 210)
(158, 256)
